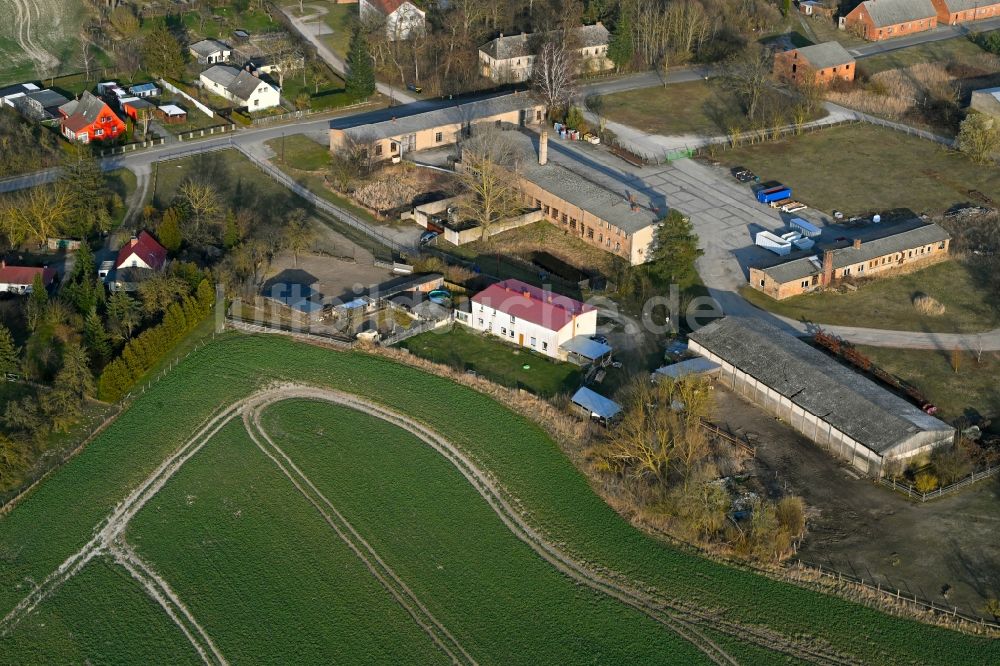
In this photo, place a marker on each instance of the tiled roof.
(207, 47)
(524, 301)
(389, 6)
(25, 275)
(221, 74)
(519, 46)
(84, 113)
(243, 86)
(827, 54)
(893, 12)
(146, 248)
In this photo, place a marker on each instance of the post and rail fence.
(914, 494)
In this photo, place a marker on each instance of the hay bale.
(928, 305)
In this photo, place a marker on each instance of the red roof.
(520, 299)
(25, 274)
(387, 6)
(144, 247)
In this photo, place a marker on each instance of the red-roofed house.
(142, 252)
(403, 19)
(89, 119)
(530, 317)
(19, 279)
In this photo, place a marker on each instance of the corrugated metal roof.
(596, 403)
(582, 345)
(855, 405)
(691, 366)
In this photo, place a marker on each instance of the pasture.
(39, 38)
(459, 526)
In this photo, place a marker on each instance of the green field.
(867, 169)
(887, 303)
(50, 28)
(503, 363)
(960, 50)
(59, 517)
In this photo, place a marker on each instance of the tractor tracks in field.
(23, 36)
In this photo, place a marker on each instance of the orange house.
(821, 63)
(89, 119)
(953, 12)
(876, 20)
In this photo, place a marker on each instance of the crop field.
(39, 37)
(264, 491)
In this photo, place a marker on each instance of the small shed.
(171, 114)
(134, 107)
(692, 366)
(581, 350)
(596, 406)
(144, 90)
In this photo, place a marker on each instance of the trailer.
(807, 229)
(776, 193)
(773, 242)
(793, 206)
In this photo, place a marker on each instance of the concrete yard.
(871, 532)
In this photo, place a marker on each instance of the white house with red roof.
(403, 19)
(142, 251)
(531, 317)
(20, 279)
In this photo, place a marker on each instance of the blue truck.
(775, 193)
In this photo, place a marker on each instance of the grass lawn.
(299, 152)
(956, 50)
(888, 303)
(972, 391)
(503, 363)
(122, 182)
(867, 169)
(340, 19)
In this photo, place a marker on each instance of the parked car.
(414, 88)
(599, 338)
(743, 175)
(428, 236)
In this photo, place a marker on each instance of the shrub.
(928, 305)
(951, 464)
(925, 482)
(241, 118)
(792, 515)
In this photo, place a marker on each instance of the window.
(762, 283)
(564, 218)
(438, 137)
(256, 102)
(378, 149)
(805, 284)
(861, 268)
(512, 320)
(538, 203)
(511, 332)
(533, 341)
(794, 67)
(600, 238)
(546, 210)
(503, 330)
(941, 246)
(572, 224)
(618, 247)
(847, 271)
(545, 346)
(98, 132)
(590, 233)
(480, 321)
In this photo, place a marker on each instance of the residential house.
(530, 317)
(819, 63)
(210, 51)
(953, 12)
(90, 119)
(136, 260)
(877, 253)
(402, 18)
(241, 87)
(144, 90)
(508, 59)
(986, 100)
(876, 20)
(390, 139)
(21, 279)
(39, 105)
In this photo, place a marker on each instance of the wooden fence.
(914, 494)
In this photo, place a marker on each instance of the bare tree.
(553, 75)
(86, 55)
(489, 173)
(129, 60)
(749, 75)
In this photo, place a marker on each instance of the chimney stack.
(857, 243)
(543, 148)
(827, 277)
(134, 241)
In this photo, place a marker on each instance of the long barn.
(843, 411)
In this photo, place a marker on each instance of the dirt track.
(683, 618)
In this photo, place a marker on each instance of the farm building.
(171, 114)
(434, 129)
(819, 63)
(699, 367)
(90, 119)
(530, 317)
(839, 409)
(20, 279)
(879, 252)
(601, 214)
(210, 51)
(595, 406)
(402, 18)
(986, 100)
(876, 20)
(38, 105)
(8, 93)
(241, 87)
(814, 8)
(953, 12)
(510, 58)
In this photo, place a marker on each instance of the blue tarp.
(584, 346)
(596, 403)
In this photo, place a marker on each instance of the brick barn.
(876, 20)
(821, 63)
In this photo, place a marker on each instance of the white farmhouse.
(211, 51)
(21, 279)
(527, 316)
(403, 19)
(241, 87)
